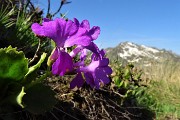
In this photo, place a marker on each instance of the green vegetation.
(15, 23)
(163, 92)
(155, 88)
(21, 86)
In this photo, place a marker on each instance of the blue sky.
(153, 23)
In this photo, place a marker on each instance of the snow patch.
(150, 49)
(130, 49)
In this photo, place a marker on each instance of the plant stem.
(62, 3)
(35, 55)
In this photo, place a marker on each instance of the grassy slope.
(163, 94)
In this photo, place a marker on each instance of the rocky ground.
(86, 103)
(89, 104)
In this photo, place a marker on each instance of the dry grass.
(164, 81)
(166, 70)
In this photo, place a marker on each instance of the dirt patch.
(86, 103)
(106, 103)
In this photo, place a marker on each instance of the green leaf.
(138, 76)
(33, 68)
(39, 99)
(117, 81)
(53, 44)
(19, 97)
(131, 65)
(31, 74)
(125, 84)
(13, 65)
(127, 73)
(121, 83)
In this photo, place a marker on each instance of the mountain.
(131, 52)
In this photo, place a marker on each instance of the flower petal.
(63, 64)
(46, 20)
(107, 70)
(59, 30)
(76, 22)
(85, 24)
(75, 51)
(70, 28)
(94, 32)
(49, 29)
(37, 29)
(93, 47)
(104, 62)
(102, 75)
(55, 54)
(97, 83)
(80, 38)
(83, 55)
(77, 81)
(89, 79)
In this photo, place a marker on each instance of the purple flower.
(93, 32)
(72, 33)
(62, 64)
(77, 81)
(95, 73)
(92, 47)
(64, 34)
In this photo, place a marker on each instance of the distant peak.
(132, 52)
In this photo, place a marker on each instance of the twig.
(113, 92)
(29, 2)
(11, 3)
(7, 114)
(49, 5)
(35, 55)
(66, 94)
(66, 113)
(103, 109)
(54, 116)
(21, 4)
(62, 3)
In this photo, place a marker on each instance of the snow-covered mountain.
(131, 52)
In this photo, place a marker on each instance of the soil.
(86, 103)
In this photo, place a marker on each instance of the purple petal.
(83, 55)
(37, 29)
(46, 20)
(85, 24)
(94, 32)
(76, 22)
(70, 28)
(63, 64)
(78, 64)
(99, 55)
(105, 80)
(97, 83)
(59, 30)
(101, 75)
(104, 62)
(77, 81)
(75, 51)
(80, 38)
(91, 67)
(93, 47)
(107, 70)
(89, 79)
(54, 54)
(49, 29)
(102, 52)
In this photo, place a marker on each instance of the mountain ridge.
(135, 53)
